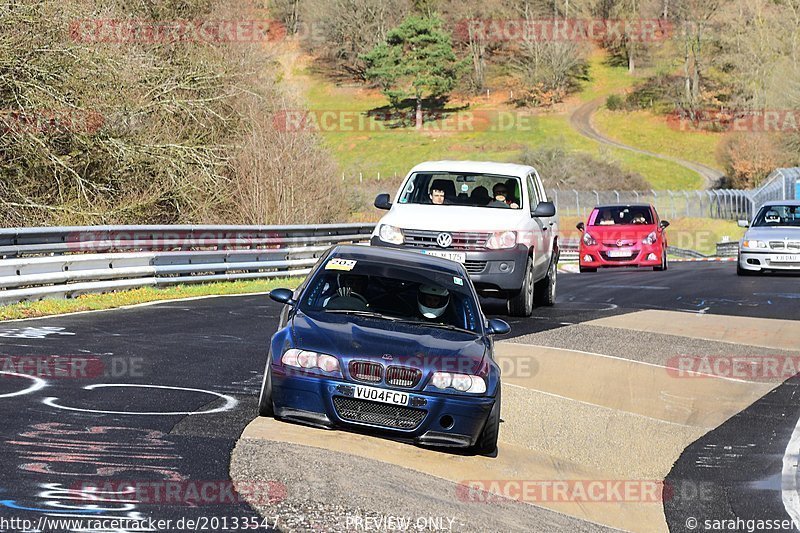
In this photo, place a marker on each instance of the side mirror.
(581, 226)
(382, 201)
(744, 224)
(498, 327)
(664, 224)
(283, 296)
(544, 209)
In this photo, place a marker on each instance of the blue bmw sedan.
(387, 341)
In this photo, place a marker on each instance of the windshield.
(621, 216)
(387, 292)
(470, 189)
(778, 215)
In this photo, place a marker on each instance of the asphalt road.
(67, 435)
(581, 120)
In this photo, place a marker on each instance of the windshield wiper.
(370, 314)
(435, 325)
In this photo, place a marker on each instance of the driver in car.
(772, 217)
(349, 294)
(432, 301)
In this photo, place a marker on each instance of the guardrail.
(67, 261)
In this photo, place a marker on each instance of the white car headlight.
(502, 240)
(459, 382)
(754, 244)
(588, 240)
(390, 234)
(310, 360)
(650, 239)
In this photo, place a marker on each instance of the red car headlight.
(650, 239)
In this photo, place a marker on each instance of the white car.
(773, 240)
(494, 218)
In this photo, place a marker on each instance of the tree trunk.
(418, 123)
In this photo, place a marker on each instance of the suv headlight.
(754, 244)
(390, 234)
(650, 239)
(588, 240)
(502, 240)
(459, 382)
(311, 361)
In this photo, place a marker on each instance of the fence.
(64, 262)
(718, 203)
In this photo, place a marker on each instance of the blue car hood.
(351, 337)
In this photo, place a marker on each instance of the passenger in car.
(480, 196)
(500, 193)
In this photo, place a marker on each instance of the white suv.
(492, 217)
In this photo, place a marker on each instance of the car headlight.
(588, 240)
(390, 234)
(650, 239)
(754, 244)
(502, 240)
(310, 360)
(459, 382)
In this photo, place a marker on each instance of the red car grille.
(399, 376)
(366, 371)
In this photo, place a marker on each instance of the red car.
(623, 235)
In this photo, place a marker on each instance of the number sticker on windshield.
(341, 264)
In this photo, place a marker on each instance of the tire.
(265, 405)
(586, 269)
(521, 303)
(544, 292)
(743, 272)
(664, 262)
(487, 440)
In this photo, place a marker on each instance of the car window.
(466, 189)
(778, 215)
(392, 292)
(622, 216)
(533, 192)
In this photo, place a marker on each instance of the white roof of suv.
(484, 167)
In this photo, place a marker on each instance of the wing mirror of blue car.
(545, 209)
(581, 226)
(498, 327)
(382, 201)
(664, 224)
(283, 296)
(744, 224)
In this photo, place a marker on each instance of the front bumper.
(600, 258)
(756, 261)
(445, 420)
(501, 270)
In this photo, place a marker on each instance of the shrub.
(580, 170)
(615, 102)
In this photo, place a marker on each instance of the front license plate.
(785, 258)
(620, 253)
(381, 395)
(458, 257)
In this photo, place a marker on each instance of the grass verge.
(111, 300)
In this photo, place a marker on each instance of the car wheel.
(744, 272)
(664, 264)
(265, 405)
(545, 291)
(521, 303)
(587, 269)
(487, 440)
